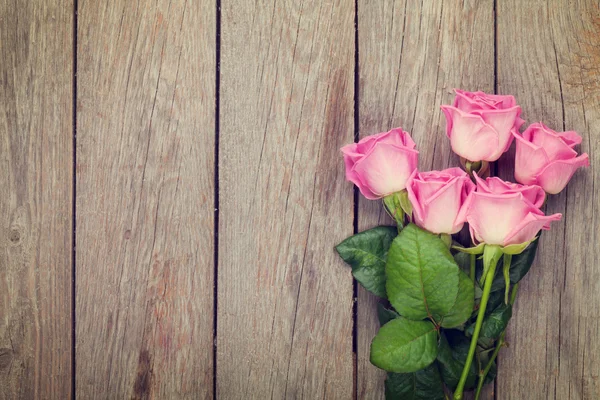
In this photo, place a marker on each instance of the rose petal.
(470, 136)
(504, 101)
(554, 146)
(529, 160)
(529, 227)
(386, 168)
(413, 193)
(397, 137)
(422, 185)
(440, 210)
(503, 122)
(466, 102)
(571, 138)
(353, 177)
(532, 193)
(555, 176)
(492, 217)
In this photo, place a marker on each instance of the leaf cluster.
(428, 308)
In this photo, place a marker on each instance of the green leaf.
(495, 323)
(519, 267)
(496, 298)
(367, 252)
(425, 384)
(452, 354)
(422, 276)
(463, 305)
(464, 261)
(385, 315)
(484, 358)
(404, 346)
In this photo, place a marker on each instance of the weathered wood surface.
(411, 56)
(36, 188)
(147, 132)
(549, 57)
(286, 107)
(145, 199)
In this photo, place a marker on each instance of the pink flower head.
(480, 125)
(505, 216)
(547, 158)
(381, 164)
(437, 198)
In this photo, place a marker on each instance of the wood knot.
(15, 236)
(6, 356)
(143, 382)
(127, 234)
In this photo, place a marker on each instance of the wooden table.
(172, 189)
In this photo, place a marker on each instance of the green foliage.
(425, 384)
(404, 346)
(463, 305)
(452, 354)
(463, 260)
(422, 277)
(495, 323)
(425, 333)
(366, 252)
(385, 315)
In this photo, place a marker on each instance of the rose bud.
(437, 197)
(381, 164)
(505, 217)
(546, 158)
(480, 125)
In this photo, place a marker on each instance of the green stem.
(491, 256)
(513, 295)
(482, 375)
(506, 272)
(499, 345)
(473, 261)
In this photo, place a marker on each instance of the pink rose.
(505, 216)
(479, 125)
(546, 158)
(381, 164)
(437, 197)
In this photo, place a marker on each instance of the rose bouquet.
(445, 304)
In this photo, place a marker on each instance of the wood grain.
(285, 298)
(554, 73)
(411, 56)
(145, 199)
(36, 177)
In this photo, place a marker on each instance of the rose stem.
(494, 253)
(499, 345)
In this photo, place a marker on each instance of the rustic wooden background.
(172, 189)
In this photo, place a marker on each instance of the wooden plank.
(145, 199)
(36, 177)
(554, 351)
(411, 56)
(285, 298)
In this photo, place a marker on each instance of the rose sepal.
(470, 250)
(514, 249)
(398, 205)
